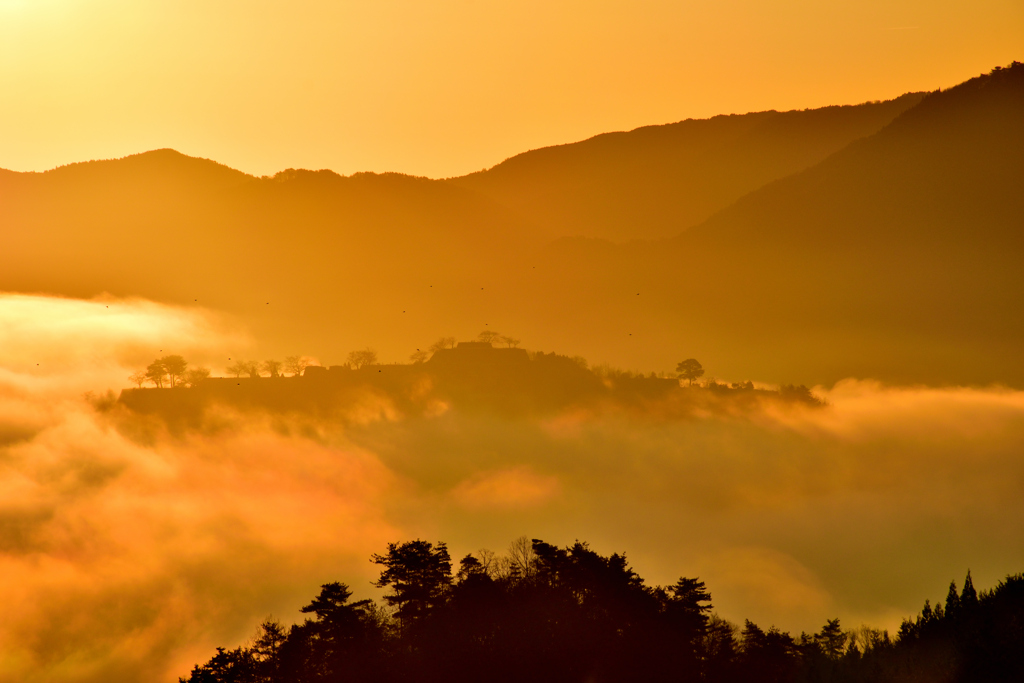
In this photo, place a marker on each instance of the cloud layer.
(129, 551)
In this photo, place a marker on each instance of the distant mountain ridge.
(881, 240)
(656, 181)
(650, 182)
(901, 251)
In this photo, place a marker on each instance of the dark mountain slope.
(920, 226)
(947, 172)
(657, 180)
(899, 255)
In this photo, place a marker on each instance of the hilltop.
(469, 377)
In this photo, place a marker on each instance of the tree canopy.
(569, 614)
(690, 369)
(362, 358)
(171, 371)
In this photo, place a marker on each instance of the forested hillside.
(567, 615)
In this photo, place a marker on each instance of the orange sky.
(449, 86)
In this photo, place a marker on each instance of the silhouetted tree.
(768, 657)
(690, 369)
(718, 647)
(521, 557)
(418, 356)
(138, 378)
(272, 367)
(360, 359)
(418, 574)
(227, 666)
(686, 604)
(511, 342)
(295, 365)
(238, 368)
(831, 639)
(442, 343)
(969, 597)
(952, 602)
(488, 336)
(266, 650)
(469, 566)
(194, 376)
(175, 367)
(684, 616)
(341, 643)
(156, 373)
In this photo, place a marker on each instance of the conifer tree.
(969, 596)
(952, 602)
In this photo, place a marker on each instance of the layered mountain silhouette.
(898, 254)
(879, 240)
(655, 181)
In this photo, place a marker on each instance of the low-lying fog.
(128, 551)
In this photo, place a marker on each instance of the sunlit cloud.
(513, 488)
(92, 341)
(128, 549)
(124, 553)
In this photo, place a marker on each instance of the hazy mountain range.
(879, 240)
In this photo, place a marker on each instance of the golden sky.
(165, 543)
(447, 87)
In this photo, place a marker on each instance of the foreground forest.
(544, 613)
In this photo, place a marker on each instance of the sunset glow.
(448, 87)
(572, 342)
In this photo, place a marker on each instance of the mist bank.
(133, 546)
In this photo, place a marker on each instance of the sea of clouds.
(128, 551)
